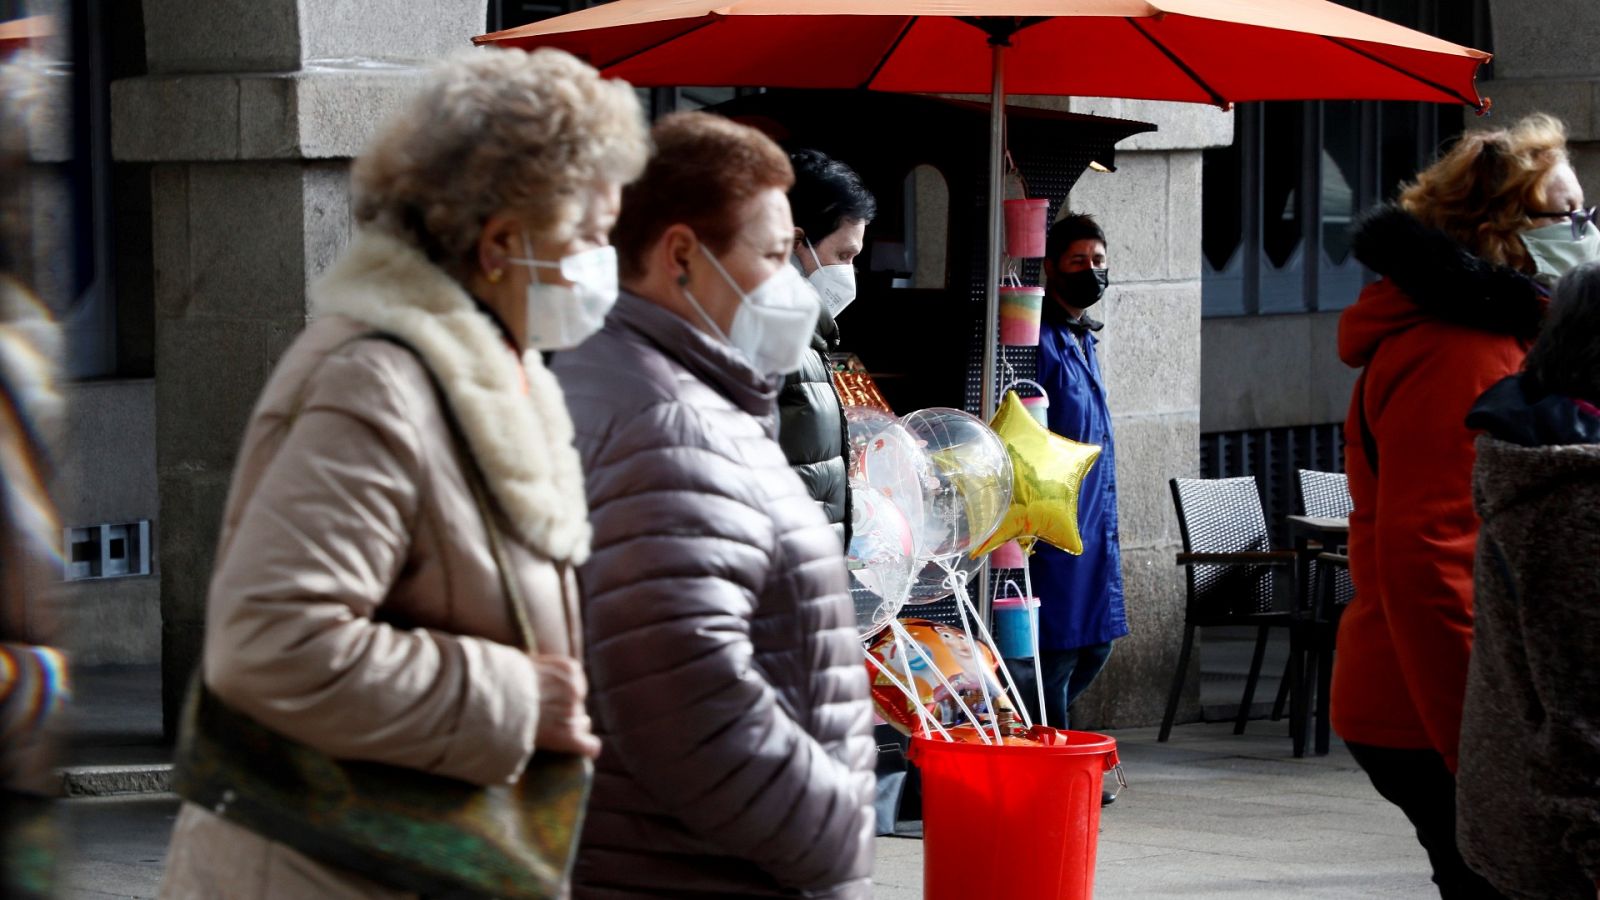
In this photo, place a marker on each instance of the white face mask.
(835, 284)
(1554, 250)
(773, 325)
(561, 316)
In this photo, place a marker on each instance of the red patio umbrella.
(18, 33)
(1204, 51)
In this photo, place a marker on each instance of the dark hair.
(1566, 359)
(704, 166)
(826, 194)
(1068, 231)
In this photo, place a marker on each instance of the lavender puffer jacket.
(725, 678)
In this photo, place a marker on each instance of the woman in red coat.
(1466, 256)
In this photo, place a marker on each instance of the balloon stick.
(905, 666)
(927, 718)
(1033, 631)
(904, 639)
(962, 602)
(983, 629)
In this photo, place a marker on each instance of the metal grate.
(1050, 172)
(1273, 456)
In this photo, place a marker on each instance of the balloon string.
(954, 579)
(906, 640)
(962, 602)
(927, 718)
(1016, 693)
(1033, 632)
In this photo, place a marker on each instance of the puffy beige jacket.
(356, 605)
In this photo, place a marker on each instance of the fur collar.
(522, 442)
(1445, 279)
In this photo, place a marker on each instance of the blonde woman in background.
(1465, 256)
(357, 606)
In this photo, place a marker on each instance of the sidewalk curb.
(109, 781)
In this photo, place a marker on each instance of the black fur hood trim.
(1446, 280)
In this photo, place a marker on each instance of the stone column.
(250, 116)
(1544, 61)
(1150, 354)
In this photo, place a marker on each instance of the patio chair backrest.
(1325, 494)
(1223, 515)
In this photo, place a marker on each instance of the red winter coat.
(1435, 333)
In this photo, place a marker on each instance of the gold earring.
(495, 275)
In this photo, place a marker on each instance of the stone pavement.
(1207, 815)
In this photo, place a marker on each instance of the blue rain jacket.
(1080, 596)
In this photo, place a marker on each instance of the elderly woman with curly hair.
(1466, 256)
(408, 473)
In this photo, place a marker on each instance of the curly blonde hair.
(1482, 190)
(493, 130)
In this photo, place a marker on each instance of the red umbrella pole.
(991, 291)
(997, 132)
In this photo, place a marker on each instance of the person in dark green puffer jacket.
(831, 210)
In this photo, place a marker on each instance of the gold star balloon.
(1047, 473)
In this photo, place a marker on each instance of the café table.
(1313, 536)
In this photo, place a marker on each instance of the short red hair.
(704, 167)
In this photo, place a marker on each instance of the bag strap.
(480, 496)
(475, 482)
(497, 550)
(1369, 444)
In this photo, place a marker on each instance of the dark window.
(505, 14)
(1274, 456)
(1279, 202)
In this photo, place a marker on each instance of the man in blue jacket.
(1081, 609)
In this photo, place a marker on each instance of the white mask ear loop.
(814, 257)
(527, 257)
(683, 284)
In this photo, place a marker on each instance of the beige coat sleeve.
(319, 539)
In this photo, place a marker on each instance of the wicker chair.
(1234, 575)
(1325, 494)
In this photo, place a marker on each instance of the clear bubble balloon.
(883, 456)
(932, 581)
(967, 485)
(881, 558)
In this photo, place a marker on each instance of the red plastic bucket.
(1025, 228)
(1022, 818)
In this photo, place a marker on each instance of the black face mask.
(1081, 289)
